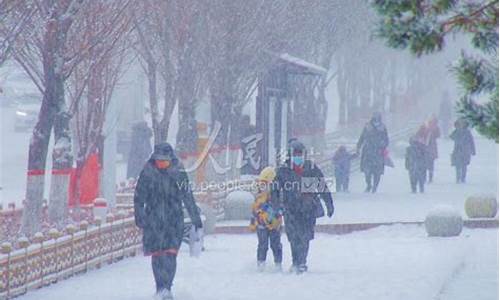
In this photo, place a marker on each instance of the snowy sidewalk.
(390, 262)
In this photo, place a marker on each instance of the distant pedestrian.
(432, 147)
(416, 163)
(445, 114)
(372, 144)
(463, 149)
(342, 166)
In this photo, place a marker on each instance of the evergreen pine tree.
(422, 25)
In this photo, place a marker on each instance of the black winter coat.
(372, 142)
(416, 159)
(158, 204)
(298, 201)
(342, 163)
(464, 147)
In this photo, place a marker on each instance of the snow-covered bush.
(443, 221)
(481, 206)
(238, 205)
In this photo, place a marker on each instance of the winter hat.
(267, 174)
(297, 147)
(376, 117)
(163, 151)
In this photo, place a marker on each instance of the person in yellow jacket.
(267, 219)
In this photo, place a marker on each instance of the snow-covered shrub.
(443, 221)
(481, 206)
(238, 205)
(23, 242)
(6, 247)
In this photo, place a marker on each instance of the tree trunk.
(220, 109)
(62, 160)
(170, 101)
(158, 134)
(37, 158)
(342, 89)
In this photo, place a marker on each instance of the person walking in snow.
(162, 190)
(373, 143)
(416, 163)
(463, 149)
(140, 148)
(433, 133)
(445, 114)
(342, 166)
(298, 187)
(266, 221)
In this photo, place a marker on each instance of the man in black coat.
(298, 185)
(372, 143)
(162, 190)
(463, 149)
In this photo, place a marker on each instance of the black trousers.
(342, 183)
(372, 181)
(417, 180)
(269, 237)
(431, 169)
(300, 250)
(461, 172)
(164, 267)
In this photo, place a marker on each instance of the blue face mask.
(298, 160)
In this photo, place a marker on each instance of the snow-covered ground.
(390, 262)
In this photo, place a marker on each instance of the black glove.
(329, 212)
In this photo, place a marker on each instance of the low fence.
(48, 258)
(11, 218)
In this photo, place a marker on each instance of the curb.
(339, 229)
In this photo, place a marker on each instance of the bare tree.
(93, 79)
(41, 51)
(150, 24)
(14, 16)
(49, 50)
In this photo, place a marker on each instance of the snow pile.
(443, 221)
(481, 206)
(239, 205)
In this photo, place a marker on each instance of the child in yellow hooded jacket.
(266, 221)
